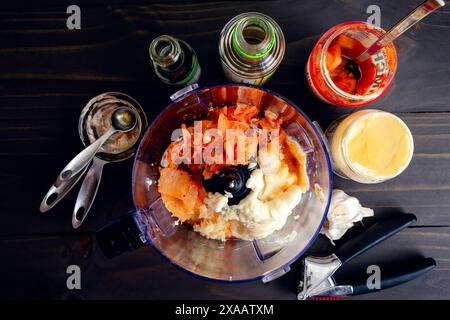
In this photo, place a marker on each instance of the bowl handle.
(322, 135)
(122, 235)
(183, 91)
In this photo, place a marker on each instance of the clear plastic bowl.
(233, 260)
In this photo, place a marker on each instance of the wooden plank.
(81, 56)
(47, 73)
(423, 188)
(36, 267)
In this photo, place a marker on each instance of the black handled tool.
(395, 275)
(318, 279)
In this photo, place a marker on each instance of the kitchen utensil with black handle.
(400, 272)
(375, 234)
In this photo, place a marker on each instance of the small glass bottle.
(174, 61)
(251, 48)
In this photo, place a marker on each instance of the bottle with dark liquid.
(174, 61)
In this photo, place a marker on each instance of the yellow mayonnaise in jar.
(370, 146)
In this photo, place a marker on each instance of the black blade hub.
(230, 180)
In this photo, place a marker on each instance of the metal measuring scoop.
(91, 182)
(122, 120)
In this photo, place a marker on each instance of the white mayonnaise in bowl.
(260, 255)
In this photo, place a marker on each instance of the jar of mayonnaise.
(369, 146)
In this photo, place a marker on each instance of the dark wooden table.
(47, 73)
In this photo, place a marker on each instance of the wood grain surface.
(47, 74)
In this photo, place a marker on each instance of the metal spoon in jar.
(407, 22)
(122, 120)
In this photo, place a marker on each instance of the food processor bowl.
(233, 260)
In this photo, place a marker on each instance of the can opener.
(318, 272)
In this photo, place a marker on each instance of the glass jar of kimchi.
(335, 78)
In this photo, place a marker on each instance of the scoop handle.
(59, 189)
(407, 22)
(87, 192)
(85, 156)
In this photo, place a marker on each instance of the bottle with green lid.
(251, 48)
(174, 61)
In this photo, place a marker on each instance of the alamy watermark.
(221, 146)
(74, 279)
(73, 22)
(374, 280)
(375, 15)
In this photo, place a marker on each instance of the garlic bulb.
(344, 211)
